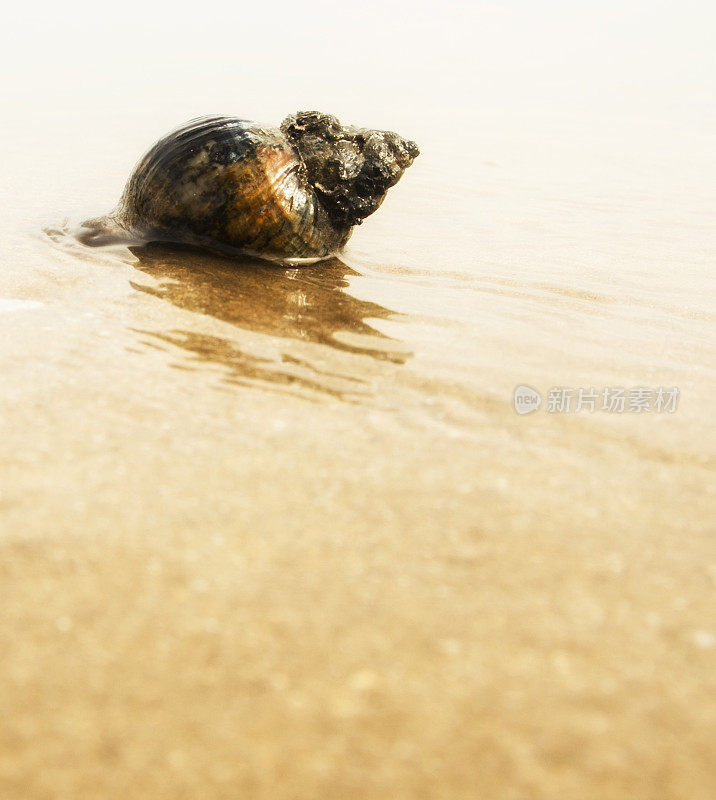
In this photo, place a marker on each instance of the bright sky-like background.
(631, 56)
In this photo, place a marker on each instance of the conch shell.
(291, 195)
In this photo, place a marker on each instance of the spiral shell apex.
(291, 194)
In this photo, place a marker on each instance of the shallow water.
(281, 533)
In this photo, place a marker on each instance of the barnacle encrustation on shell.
(291, 194)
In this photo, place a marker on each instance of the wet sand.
(279, 533)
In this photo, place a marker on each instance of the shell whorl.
(350, 168)
(293, 193)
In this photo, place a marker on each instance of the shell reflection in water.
(299, 309)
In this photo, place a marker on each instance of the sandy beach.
(280, 533)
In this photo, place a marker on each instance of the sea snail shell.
(291, 194)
